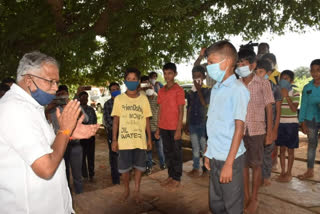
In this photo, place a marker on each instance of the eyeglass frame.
(52, 82)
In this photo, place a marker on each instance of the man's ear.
(253, 66)
(175, 74)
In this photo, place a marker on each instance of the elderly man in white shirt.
(32, 170)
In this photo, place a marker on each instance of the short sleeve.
(159, 100)
(147, 109)
(267, 93)
(240, 103)
(180, 97)
(277, 93)
(296, 97)
(116, 110)
(25, 135)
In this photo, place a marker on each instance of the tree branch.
(56, 8)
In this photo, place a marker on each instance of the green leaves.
(140, 33)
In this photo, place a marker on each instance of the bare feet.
(306, 175)
(124, 196)
(166, 182)
(252, 207)
(205, 174)
(266, 182)
(194, 173)
(281, 177)
(173, 185)
(137, 197)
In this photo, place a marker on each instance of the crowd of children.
(239, 123)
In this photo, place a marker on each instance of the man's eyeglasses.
(52, 82)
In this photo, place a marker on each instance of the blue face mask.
(115, 93)
(42, 97)
(131, 85)
(266, 76)
(285, 84)
(215, 72)
(243, 71)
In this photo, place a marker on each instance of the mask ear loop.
(33, 83)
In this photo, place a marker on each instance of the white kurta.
(25, 136)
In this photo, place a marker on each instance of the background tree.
(95, 40)
(302, 72)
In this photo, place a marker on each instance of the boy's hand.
(226, 174)
(157, 134)
(197, 85)
(269, 139)
(186, 129)
(304, 128)
(115, 146)
(149, 145)
(274, 134)
(177, 135)
(207, 163)
(284, 92)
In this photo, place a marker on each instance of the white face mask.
(153, 81)
(149, 92)
(199, 80)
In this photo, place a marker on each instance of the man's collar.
(228, 82)
(17, 89)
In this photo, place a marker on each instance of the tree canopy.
(95, 40)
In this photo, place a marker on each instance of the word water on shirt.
(135, 115)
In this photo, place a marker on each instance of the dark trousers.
(173, 153)
(88, 148)
(226, 198)
(113, 160)
(73, 159)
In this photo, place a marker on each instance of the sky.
(292, 50)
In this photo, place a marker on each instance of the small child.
(265, 70)
(288, 133)
(225, 127)
(309, 116)
(114, 89)
(198, 99)
(171, 100)
(256, 132)
(152, 97)
(131, 112)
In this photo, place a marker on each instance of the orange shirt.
(169, 101)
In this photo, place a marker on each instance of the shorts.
(288, 135)
(132, 158)
(254, 150)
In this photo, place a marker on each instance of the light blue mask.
(243, 71)
(215, 72)
(285, 84)
(266, 76)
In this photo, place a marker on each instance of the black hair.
(8, 80)
(271, 57)
(247, 54)
(83, 93)
(144, 78)
(63, 88)
(170, 66)
(225, 48)
(199, 68)
(289, 73)
(264, 64)
(315, 62)
(264, 43)
(4, 87)
(152, 73)
(132, 70)
(112, 84)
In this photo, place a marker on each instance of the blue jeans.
(198, 141)
(159, 147)
(313, 128)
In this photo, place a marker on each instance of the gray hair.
(31, 63)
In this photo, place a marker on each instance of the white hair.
(31, 63)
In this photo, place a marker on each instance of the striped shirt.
(287, 115)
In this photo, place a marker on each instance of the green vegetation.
(96, 40)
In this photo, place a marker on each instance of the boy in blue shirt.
(309, 115)
(225, 127)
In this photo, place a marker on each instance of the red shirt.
(169, 109)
